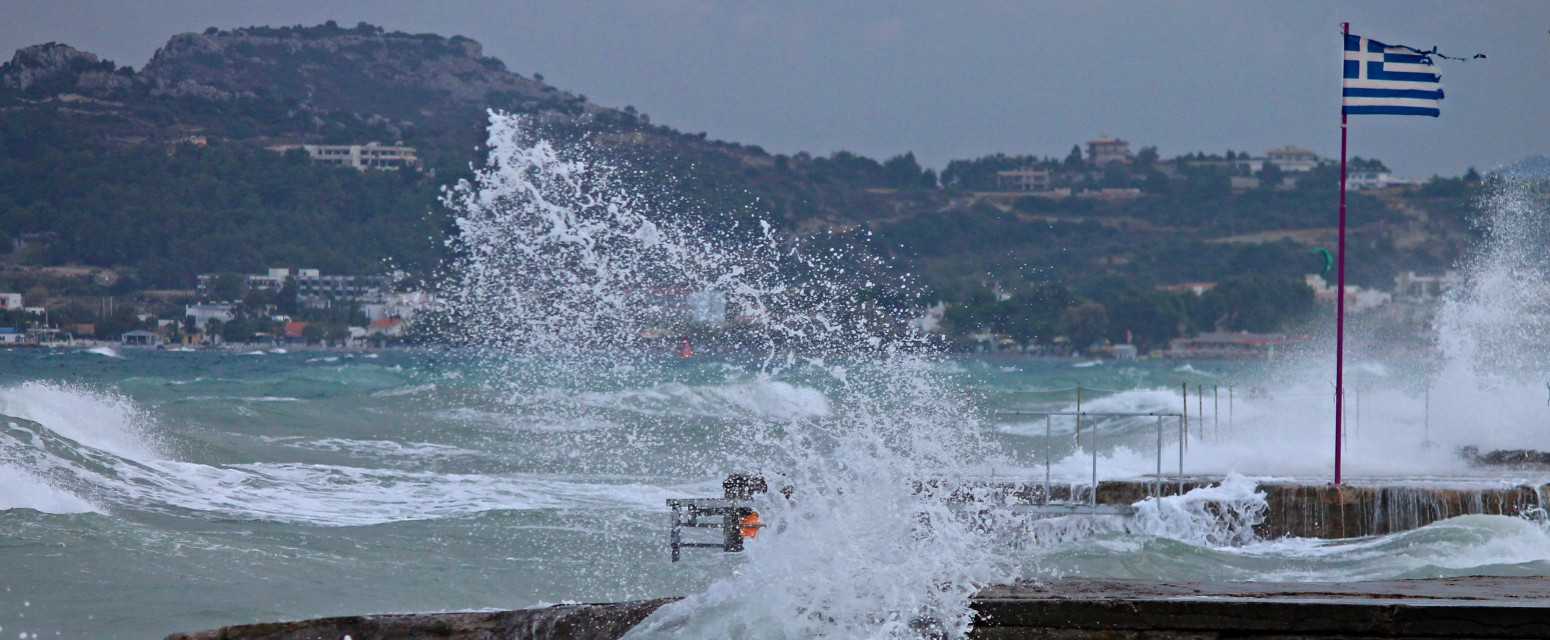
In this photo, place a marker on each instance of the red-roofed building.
(386, 327)
(293, 330)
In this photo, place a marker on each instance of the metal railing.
(1049, 417)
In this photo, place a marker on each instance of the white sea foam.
(23, 490)
(388, 450)
(770, 399)
(520, 422)
(411, 390)
(331, 495)
(100, 419)
(1221, 515)
(323, 495)
(105, 351)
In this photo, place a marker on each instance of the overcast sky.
(950, 79)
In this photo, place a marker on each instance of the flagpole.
(1340, 296)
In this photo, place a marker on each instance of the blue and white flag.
(1389, 79)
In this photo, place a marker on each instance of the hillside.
(161, 173)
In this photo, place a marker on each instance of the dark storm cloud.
(951, 80)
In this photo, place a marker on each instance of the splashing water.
(570, 277)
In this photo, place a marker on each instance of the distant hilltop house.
(1375, 178)
(11, 302)
(1025, 179)
(1292, 159)
(368, 156)
(1106, 150)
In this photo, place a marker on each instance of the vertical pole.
(1095, 463)
(1157, 484)
(1183, 418)
(1200, 409)
(1229, 409)
(1340, 294)
(1049, 443)
(1184, 424)
(675, 538)
(1078, 414)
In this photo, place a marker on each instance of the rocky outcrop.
(54, 68)
(363, 70)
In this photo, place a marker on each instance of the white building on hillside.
(399, 305)
(368, 156)
(204, 313)
(1292, 159)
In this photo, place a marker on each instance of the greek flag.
(1389, 79)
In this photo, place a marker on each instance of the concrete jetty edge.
(1068, 609)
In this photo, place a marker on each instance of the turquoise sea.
(146, 492)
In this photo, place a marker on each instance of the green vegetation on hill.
(171, 213)
(98, 171)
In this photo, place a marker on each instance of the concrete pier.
(1070, 609)
(1079, 609)
(1317, 510)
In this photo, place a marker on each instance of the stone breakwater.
(1069, 609)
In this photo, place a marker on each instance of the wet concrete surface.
(1475, 607)
(1071, 609)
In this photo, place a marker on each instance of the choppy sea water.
(147, 492)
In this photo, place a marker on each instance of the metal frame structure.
(1049, 417)
(688, 511)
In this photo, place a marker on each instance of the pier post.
(1095, 461)
(1078, 414)
(1200, 409)
(1183, 420)
(1157, 484)
(1049, 443)
(1184, 424)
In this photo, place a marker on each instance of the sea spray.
(1216, 516)
(569, 278)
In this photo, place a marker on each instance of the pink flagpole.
(1340, 292)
